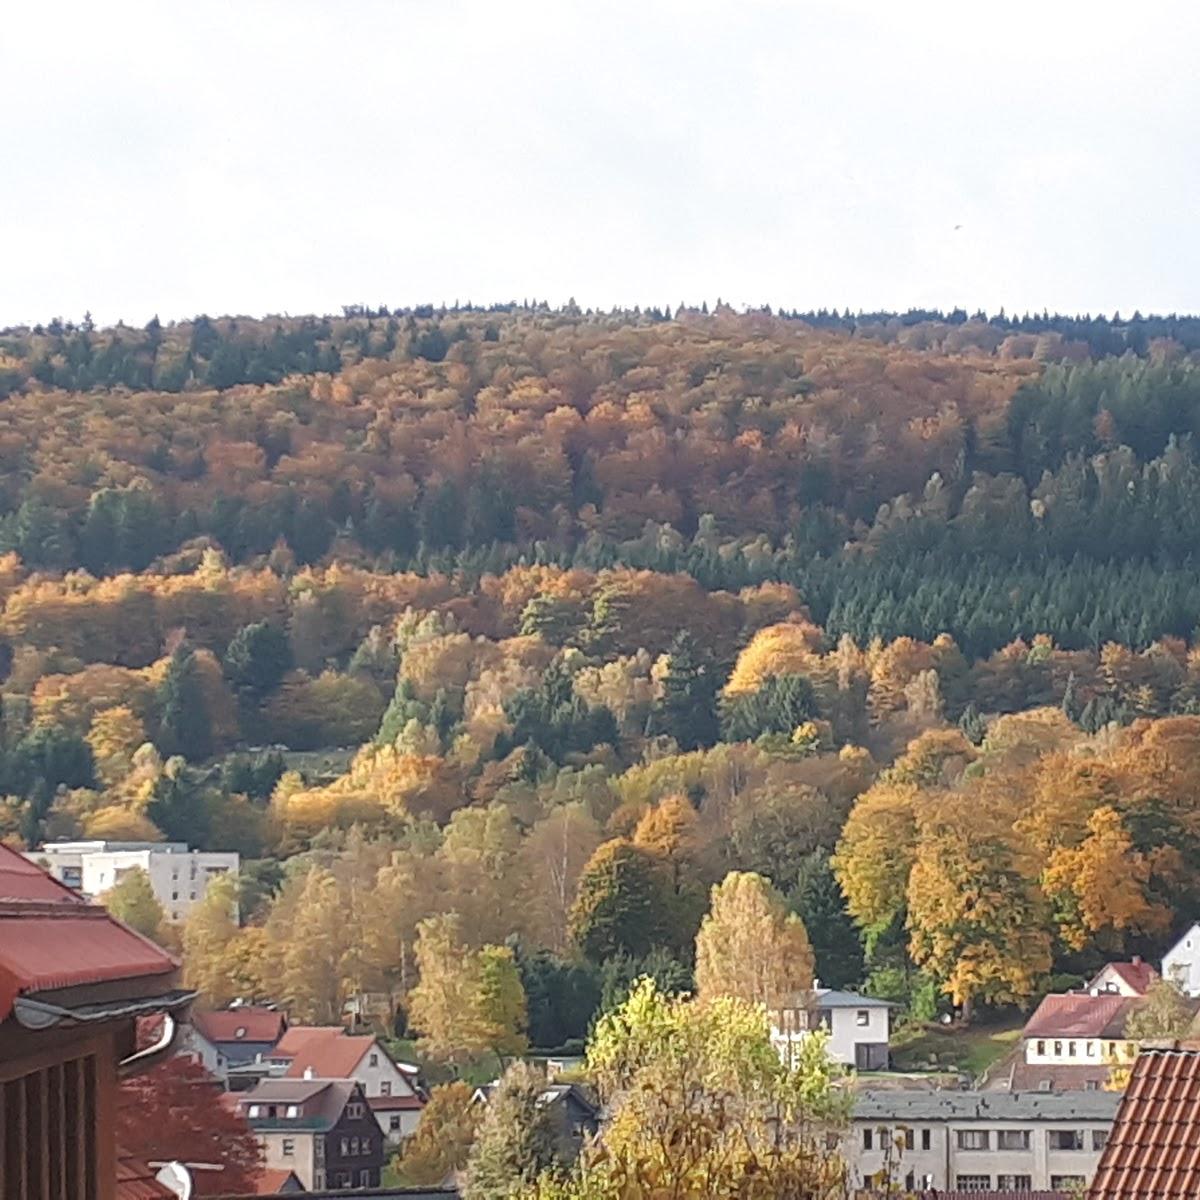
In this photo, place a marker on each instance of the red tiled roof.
(271, 1180)
(1140, 976)
(1153, 1152)
(248, 1024)
(327, 1051)
(1079, 1015)
(136, 1181)
(50, 939)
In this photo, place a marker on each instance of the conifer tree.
(688, 708)
(184, 727)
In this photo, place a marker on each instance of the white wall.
(373, 1079)
(1078, 1052)
(178, 880)
(1181, 964)
(845, 1032)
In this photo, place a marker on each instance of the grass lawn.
(971, 1051)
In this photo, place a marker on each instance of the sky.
(259, 157)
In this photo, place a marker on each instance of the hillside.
(896, 611)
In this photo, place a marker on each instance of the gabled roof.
(832, 998)
(321, 1102)
(271, 1181)
(327, 1052)
(245, 1024)
(1153, 1151)
(51, 940)
(1078, 1015)
(1137, 975)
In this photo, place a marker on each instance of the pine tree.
(184, 727)
(688, 708)
(973, 726)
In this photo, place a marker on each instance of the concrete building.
(859, 1027)
(178, 876)
(978, 1141)
(1181, 964)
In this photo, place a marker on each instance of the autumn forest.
(501, 636)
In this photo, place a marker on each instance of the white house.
(1134, 978)
(859, 1027)
(194, 1043)
(178, 876)
(1181, 964)
(328, 1052)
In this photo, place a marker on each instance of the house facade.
(322, 1130)
(1133, 978)
(859, 1028)
(1181, 964)
(177, 875)
(328, 1052)
(978, 1141)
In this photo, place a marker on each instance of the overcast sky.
(257, 157)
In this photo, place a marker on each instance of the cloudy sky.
(255, 156)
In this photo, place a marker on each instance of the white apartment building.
(178, 876)
(978, 1141)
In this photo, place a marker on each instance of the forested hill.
(910, 475)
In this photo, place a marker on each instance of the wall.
(1182, 964)
(1079, 1052)
(301, 1160)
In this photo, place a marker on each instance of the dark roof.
(1153, 1152)
(905, 1105)
(1079, 1015)
(246, 1024)
(833, 998)
(52, 940)
(320, 1101)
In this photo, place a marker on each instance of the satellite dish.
(177, 1177)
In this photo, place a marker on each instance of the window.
(254, 1110)
(319, 1179)
(1058, 1049)
(1041, 1048)
(1099, 1139)
(174, 895)
(344, 1147)
(272, 1111)
(909, 1139)
(293, 1111)
(385, 1089)
(345, 1178)
(910, 1181)
(1012, 1139)
(240, 1031)
(393, 1124)
(288, 1148)
(862, 1017)
(319, 1150)
(1014, 1183)
(973, 1139)
(1064, 1183)
(374, 1060)
(1091, 1085)
(1091, 1049)
(1066, 1139)
(354, 1111)
(1071, 1049)
(868, 1139)
(973, 1183)
(364, 1178)
(925, 1139)
(354, 1147)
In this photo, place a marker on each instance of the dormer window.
(240, 1031)
(293, 1111)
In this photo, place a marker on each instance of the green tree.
(184, 727)
(619, 902)
(817, 898)
(687, 710)
(258, 657)
(781, 704)
(501, 1002)
(519, 1139)
(131, 899)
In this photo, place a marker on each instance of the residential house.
(277, 1181)
(859, 1027)
(321, 1129)
(194, 1044)
(178, 876)
(1153, 1152)
(578, 1113)
(329, 1052)
(73, 982)
(243, 1034)
(1070, 1043)
(978, 1141)
(1181, 964)
(1133, 978)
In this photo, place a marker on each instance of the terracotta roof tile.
(1079, 1015)
(327, 1051)
(137, 1181)
(1153, 1152)
(50, 939)
(271, 1180)
(1138, 975)
(246, 1024)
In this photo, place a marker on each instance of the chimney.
(309, 1073)
(1137, 960)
